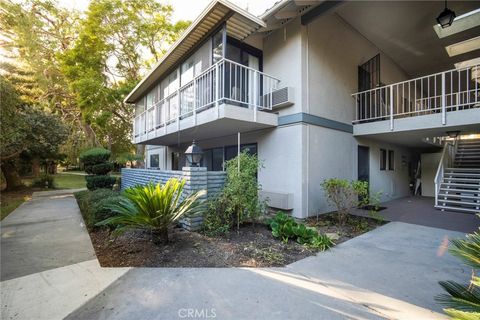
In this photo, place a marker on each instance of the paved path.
(389, 273)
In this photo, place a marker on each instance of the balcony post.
(444, 102)
(255, 95)
(164, 113)
(391, 107)
(179, 100)
(194, 101)
(217, 87)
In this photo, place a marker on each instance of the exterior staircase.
(460, 187)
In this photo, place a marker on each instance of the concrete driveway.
(389, 273)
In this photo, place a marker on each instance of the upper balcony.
(226, 98)
(431, 104)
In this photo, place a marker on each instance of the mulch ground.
(251, 246)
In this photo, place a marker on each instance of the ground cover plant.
(462, 301)
(154, 208)
(94, 205)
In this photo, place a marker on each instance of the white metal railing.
(452, 90)
(225, 81)
(446, 161)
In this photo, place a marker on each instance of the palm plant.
(154, 207)
(462, 301)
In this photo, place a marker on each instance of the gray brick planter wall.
(196, 179)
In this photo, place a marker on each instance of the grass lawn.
(11, 200)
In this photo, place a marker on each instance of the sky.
(187, 9)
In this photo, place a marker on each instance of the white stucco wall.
(335, 50)
(282, 58)
(429, 168)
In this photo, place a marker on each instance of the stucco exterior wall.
(335, 50)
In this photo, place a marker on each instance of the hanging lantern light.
(445, 19)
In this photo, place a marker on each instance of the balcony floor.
(409, 131)
(210, 123)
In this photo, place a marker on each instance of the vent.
(278, 99)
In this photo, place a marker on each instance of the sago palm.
(462, 301)
(154, 207)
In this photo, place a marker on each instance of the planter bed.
(252, 246)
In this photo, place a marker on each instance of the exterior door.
(363, 163)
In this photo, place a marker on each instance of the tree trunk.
(90, 134)
(160, 236)
(11, 175)
(141, 151)
(36, 168)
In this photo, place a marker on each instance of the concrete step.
(463, 203)
(458, 196)
(462, 174)
(456, 179)
(457, 209)
(458, 170)
(469, 149)
(454, 190)
(461, 185)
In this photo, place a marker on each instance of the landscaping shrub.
(44, 181)
(94, 205)
(462, 301)
(344, 194)
(285, 227)
(154, 207)
(238, 202)
(97, 166)
(97, 182)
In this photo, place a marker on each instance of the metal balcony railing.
(224, 82)
(452, 90)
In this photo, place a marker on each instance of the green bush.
(462, 300)
(286, 228)
(97, 166)
(94, 205)
(44, 181)
(97, 182)
(238, 203)
(344, 195)
(99, 169)
(154, 207)
(95, 156)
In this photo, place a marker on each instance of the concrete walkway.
(421, 211)
(389, 273)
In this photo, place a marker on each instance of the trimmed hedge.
(100, 169)
(93, 205)
(97, 182)
(95, 156)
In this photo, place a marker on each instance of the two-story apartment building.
(322, 89)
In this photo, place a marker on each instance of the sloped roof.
(240, 24)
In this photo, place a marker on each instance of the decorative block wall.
(197, 178)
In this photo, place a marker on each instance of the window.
(154, 161)
(391, 160)
(383, 159)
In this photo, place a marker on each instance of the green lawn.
(64, 181)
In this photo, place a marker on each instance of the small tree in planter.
(344, 195)
(97, 165)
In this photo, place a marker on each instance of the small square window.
(383, 159)
(391, 160)
(154, 161)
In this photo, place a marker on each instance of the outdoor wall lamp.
(194, 155)
(445, 19)
(453, 134)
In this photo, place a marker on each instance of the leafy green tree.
(25, 131)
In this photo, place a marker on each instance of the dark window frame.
(391, 160)
(383, 159)
(158, 160)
